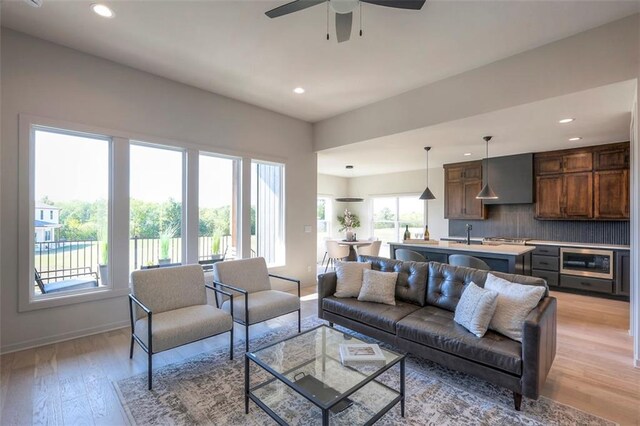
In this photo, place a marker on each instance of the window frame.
(119, 204)
(27, 299)
(281, 263)
(237, 195)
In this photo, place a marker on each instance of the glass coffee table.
(301, 380)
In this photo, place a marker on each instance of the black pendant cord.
(487, 161)
(327, 20)
(360, 3)
(427, 168)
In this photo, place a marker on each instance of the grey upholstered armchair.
(256, 301)
(172, 310)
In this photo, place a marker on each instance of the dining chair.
(335, 251)
(405, 254)
(372, 249)
(468, 261)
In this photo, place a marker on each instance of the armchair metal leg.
(150, 364)
(131, 348)
(231, 342)
(246, 338)
(299, 322)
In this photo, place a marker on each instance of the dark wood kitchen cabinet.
(565, 196)
(462, 183)
(583, 184)
(611, 194)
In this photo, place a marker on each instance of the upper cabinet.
(583, 184)
(463, 181)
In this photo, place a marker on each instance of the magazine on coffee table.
(361, 354)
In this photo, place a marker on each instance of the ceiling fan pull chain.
(327, 19)
(360, 4)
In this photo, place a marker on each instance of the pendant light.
(486, 193)
(349, 199)
(427, 194)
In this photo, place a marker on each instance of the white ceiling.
(602, 115)
(232, 48)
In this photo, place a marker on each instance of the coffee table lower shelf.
(282, 396)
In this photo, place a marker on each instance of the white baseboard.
(34, 343)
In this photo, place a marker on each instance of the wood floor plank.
(77, 412)
(17, 408)
(47, 406)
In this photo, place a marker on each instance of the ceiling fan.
(343, 10)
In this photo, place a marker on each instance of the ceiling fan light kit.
(343, 10)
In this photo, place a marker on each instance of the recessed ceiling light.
(566, 120)
(298, 90)
(574, 139)
(102, 10)
(466, 154)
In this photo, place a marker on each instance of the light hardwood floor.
(70, 382)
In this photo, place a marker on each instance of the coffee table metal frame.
(325, 408)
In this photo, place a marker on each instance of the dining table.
(353, 255)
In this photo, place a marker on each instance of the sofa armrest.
(538, 346)
(326, 287)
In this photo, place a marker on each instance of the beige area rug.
(208, 389)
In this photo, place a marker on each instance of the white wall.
(594, 58)
(44, 79)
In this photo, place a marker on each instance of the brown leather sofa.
(422, 323)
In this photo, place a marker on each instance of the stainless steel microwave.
(586, 262)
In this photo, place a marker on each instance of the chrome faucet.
(469, 228)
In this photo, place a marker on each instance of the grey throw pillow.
(379, 287)
(349, 278)
(475, 309)
(515, 301)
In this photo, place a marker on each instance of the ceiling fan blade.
(400, 4)
(294, 6)
(343, 26)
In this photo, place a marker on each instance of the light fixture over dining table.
(349, 199)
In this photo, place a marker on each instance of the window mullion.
(119, 220)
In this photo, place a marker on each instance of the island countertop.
(450, 246)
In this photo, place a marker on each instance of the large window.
(267, 212)
(156, 187)
(392, 215)
(218, 208)
(71, 212)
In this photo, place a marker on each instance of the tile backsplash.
(517, 220)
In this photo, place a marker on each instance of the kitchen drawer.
(586, 283)
(549, 276)
(548, 263)
(547, 250)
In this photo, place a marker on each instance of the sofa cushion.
(514, 302)
(446, 284)
(180, 326)
(383, 317)
(476, 308)
(411, 285)
(435, 327)
(379, 287)
(349, 278)
(263, 305)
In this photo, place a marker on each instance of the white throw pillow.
(515, 301)
(349, 278)
(476, 308)
(379, 287)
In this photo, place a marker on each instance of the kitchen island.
(514, 259)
